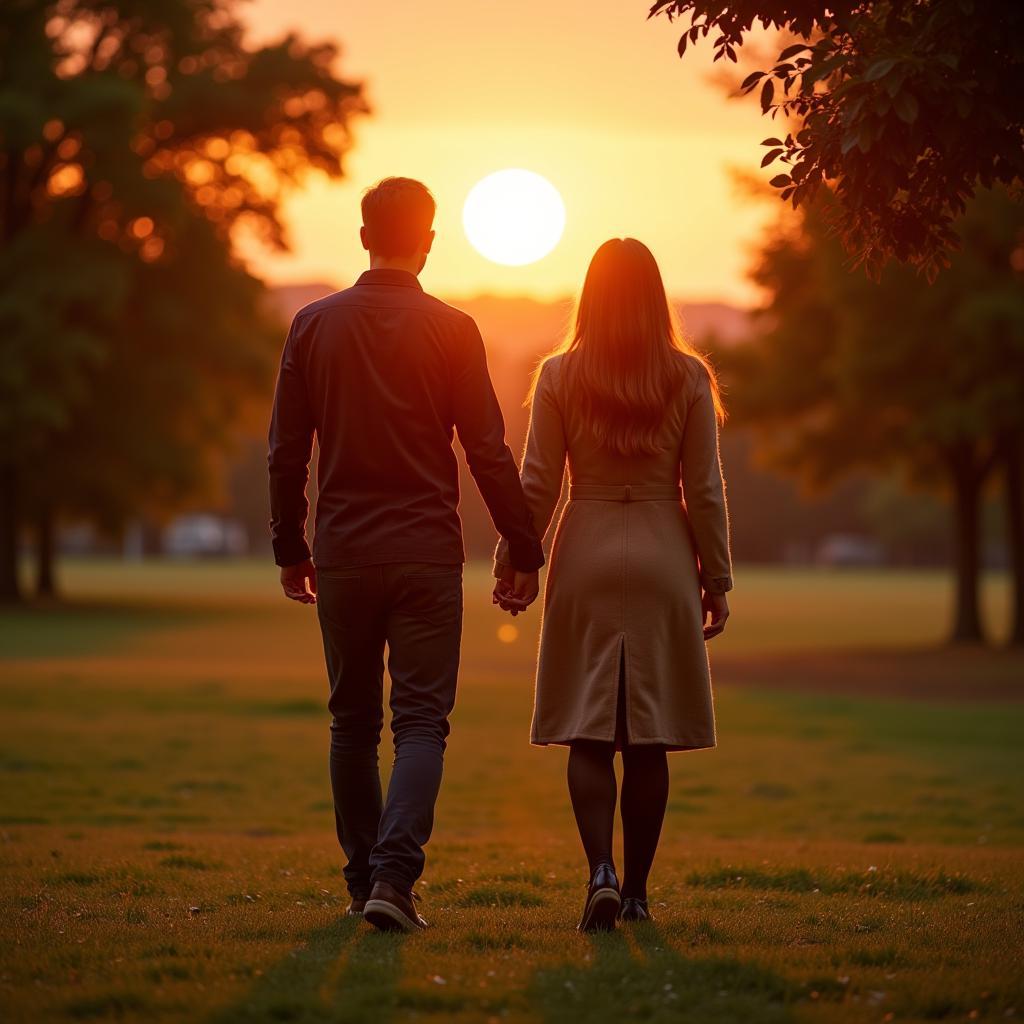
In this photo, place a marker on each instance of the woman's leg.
(644, 798)
(592, 789)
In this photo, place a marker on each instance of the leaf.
(766, 95)
(771, 155)
(854, 107)
(864, 136)
(792, 51)
(681, 48)
(906, 106)
(751, 80)
(880, 69)
(780, 181)
(772, 142)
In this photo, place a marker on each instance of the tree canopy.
(903, 108)
(846, 373)
(136, 138)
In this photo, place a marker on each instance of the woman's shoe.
(634, 910)
(603, 901)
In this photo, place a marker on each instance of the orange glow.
(507, 633)
(199, 172)
(217, 149)
(513, 217)
(68, 148)
(67, 179)
(592, 97)
(151, 249)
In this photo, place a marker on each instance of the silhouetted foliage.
(136, 136)
(846, 373)
(904, 109)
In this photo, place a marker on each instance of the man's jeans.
(416, 609)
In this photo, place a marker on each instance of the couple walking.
(383, 374)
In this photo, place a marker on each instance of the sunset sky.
(590, 95)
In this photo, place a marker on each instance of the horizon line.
(513, 296)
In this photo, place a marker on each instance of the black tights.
(593, 791)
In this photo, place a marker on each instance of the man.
(382, 374)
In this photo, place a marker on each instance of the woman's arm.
(704, 489)
(543, 462)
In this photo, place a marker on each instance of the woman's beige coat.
(626, 569)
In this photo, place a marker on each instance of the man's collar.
(386, 275)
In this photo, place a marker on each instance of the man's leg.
(352, 620)
(424, 633)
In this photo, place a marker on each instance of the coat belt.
(625, 492)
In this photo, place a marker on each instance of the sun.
(513, 217)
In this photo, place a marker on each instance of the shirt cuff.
(525, 557)
(291, 552)
(715, 584)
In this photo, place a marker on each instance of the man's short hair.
(397, 214)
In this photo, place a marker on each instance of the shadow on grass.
(654, 982)
(341, 973)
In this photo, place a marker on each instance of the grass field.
(851, 851)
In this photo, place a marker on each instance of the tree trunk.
(46, 578)
(1014, 469)
(10, 591)
(967, 480)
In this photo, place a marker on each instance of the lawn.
(851, 851)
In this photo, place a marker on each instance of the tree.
(1013, 468)
(184, 360)
(929, 379)
(125, 124)
(902, 109)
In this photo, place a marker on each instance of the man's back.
(383, 373)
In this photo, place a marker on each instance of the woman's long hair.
(621, 362)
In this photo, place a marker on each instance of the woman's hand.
(717, 607)
(515, 592)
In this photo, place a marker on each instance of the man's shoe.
(603, 901)
(355, 908)
(634, 910)
(390, 910)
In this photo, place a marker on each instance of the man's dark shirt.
(383, 373)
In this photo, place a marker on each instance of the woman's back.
(591, 462)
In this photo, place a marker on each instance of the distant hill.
(524, 325)
(287, 299)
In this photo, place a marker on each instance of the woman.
(633, 573)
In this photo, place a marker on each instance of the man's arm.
(481, 430)
(291, 447)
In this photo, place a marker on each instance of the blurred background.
(180, 182)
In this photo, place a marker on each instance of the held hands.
(717, 607)
(515, 592)
(299, 582)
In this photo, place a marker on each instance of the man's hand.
(517, 592)
(299, 582)
(717, 607)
